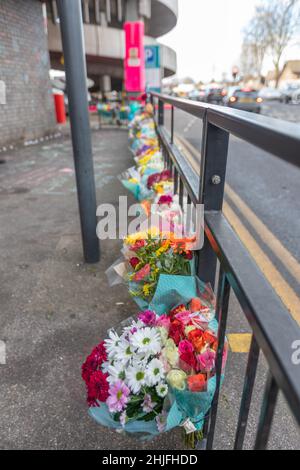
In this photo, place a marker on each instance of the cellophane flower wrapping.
(157, 372)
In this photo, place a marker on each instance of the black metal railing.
(274, 330)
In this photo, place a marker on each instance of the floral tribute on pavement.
(157, 370)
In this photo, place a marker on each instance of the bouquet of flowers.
(156, 372)
(148, 255)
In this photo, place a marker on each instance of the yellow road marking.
(282, 288)
(239, 342)
(266, 235)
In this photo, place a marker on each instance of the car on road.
(246, 99)
(296, 97)
(288, 92)
(194, 95)
(271, 94)
(212, 94)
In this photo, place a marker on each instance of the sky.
(208, 37)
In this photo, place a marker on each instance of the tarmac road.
(263, 193)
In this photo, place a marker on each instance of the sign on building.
(153, 68)
(134, 57)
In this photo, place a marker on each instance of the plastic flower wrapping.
(156, 372)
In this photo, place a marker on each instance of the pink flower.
(206, 361)
(138, 245)
(148, 405)
(147, 317)
(118, 397)
(142, 273)
(163, 321)
(185, 347)
(184, 317)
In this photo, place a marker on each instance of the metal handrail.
(278, 137)
(274, 330)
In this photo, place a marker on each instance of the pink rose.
(185, 347)
(164, 321)
(206, 361)
(184, 317)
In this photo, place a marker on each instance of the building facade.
(104, 36)
(26, 102)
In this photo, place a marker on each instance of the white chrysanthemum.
(125, 352)
(155, 372)
(146, 341)
(116, 372)
(111, 344)
(135, 378)
(162, 390)
(129, 330)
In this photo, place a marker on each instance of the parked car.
(245, 99)
(194, 95)
(270, 94)
(288, 91)
(212, 94)
(296, 97)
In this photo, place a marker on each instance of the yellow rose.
(177, 378)
(170, 352)
(163, 334)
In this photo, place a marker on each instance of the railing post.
(214, 152)
(75, 66)
(172, 125)
(160, 113)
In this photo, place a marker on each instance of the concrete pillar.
(132, 10)
(86, 11)
(97, 11)
(106, 83)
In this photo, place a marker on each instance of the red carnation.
(153, 179)
(165, 199)
(134, 262)
(94, 361)
(165, 175)
(97, 387)
(176, 331)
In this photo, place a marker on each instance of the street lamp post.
(70, 15)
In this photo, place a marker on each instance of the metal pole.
(70, 15)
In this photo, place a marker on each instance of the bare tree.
(271, 30)
(253, 50)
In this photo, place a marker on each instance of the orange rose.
(197, 383)
(197, 339)
(195, 305)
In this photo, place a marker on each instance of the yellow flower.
(165, 246)
(133, 238)
(170, 352)
(177, 378)
(163, 334)
(133, 180)
(146, 290)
